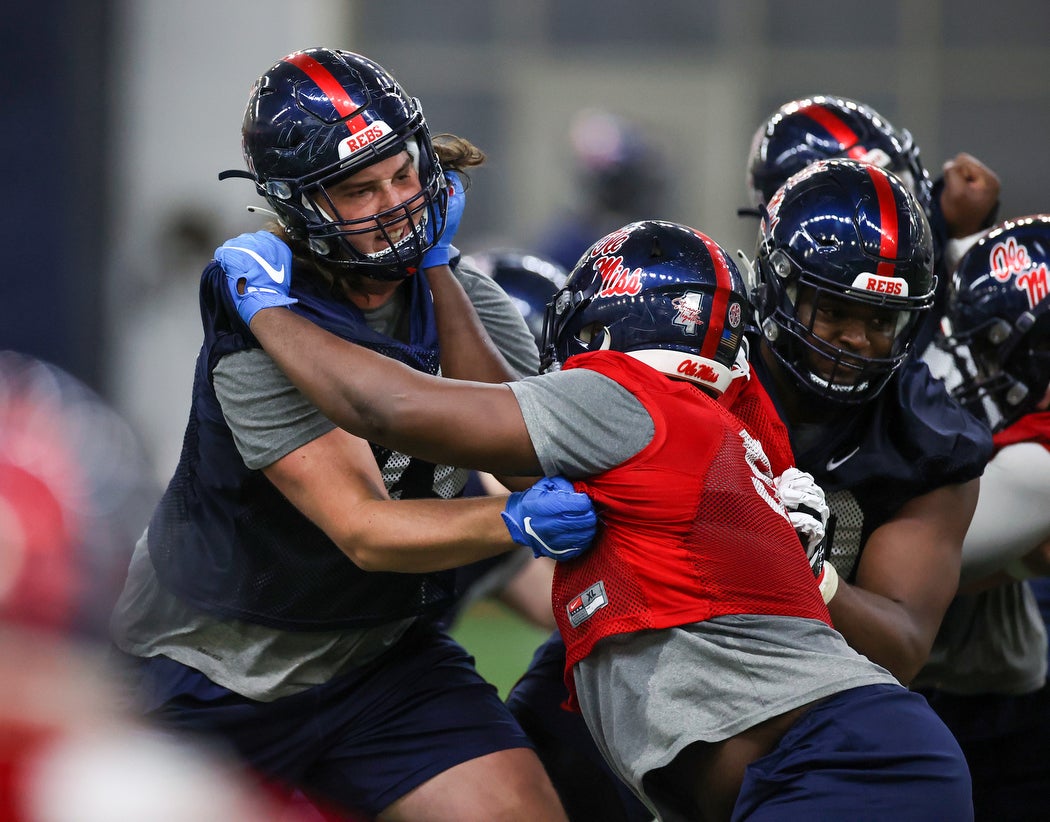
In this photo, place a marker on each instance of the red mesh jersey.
(691, 525)
(1033, 427)
(748, 401)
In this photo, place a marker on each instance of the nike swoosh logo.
(527, 523)
(833, 464)
(277, 275)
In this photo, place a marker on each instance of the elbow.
(913, 652)
(383, 420)
(909, 669)
(367, 420)
(360, 547)
(367, 557)
(369, 561)
(364, 551)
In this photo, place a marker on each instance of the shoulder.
(475, 281)
(938, 440)
(924, 402)
(582, 387)
(501, 317)
(581, 423)
(915, 391)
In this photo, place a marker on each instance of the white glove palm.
(807, 509)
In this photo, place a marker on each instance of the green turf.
(501, 642)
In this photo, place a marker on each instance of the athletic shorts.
(589, 789)
(869, 754)
(358, 742)
(1006, 741)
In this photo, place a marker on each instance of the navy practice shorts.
(1006, 740)
(359, 742)
(871, 754)
(587, 786)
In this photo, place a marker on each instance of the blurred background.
(119, 115)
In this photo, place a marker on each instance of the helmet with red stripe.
(822, 128)
(319, 115)
(661, 292)
(843, 239)
(998, 319)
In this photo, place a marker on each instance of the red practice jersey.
(691, 526)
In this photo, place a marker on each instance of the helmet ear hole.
(595, 337)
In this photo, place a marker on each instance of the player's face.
(372, 191)
(853, 328)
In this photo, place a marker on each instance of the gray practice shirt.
(647, 695)
(994, 642)
(269, 419)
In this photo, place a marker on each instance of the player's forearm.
(452, 422)
(359, 390)
(419, 536)
(467, 351)
(882, 630)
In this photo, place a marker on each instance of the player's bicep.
(914, 558)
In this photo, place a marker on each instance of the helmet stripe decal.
(887, 220)
(334, 90)
(724, 285)
(837, 129)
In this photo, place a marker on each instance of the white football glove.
(808, 511)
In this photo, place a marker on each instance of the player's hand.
(258, 272)
(808, 511)
(443, 250)
(552, 519)
(969, 197)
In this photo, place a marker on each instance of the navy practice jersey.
(870, 460)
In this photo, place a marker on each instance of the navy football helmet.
(530, 280)
(822, 128)
(841, 230)
(319, 115)
(998, 320)
(661, 292)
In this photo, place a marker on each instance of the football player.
(700, 650)
(987, 671)
(959, 205)
(287, 594)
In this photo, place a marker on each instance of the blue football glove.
(443, 250)
(552, 519)
(258, 272)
